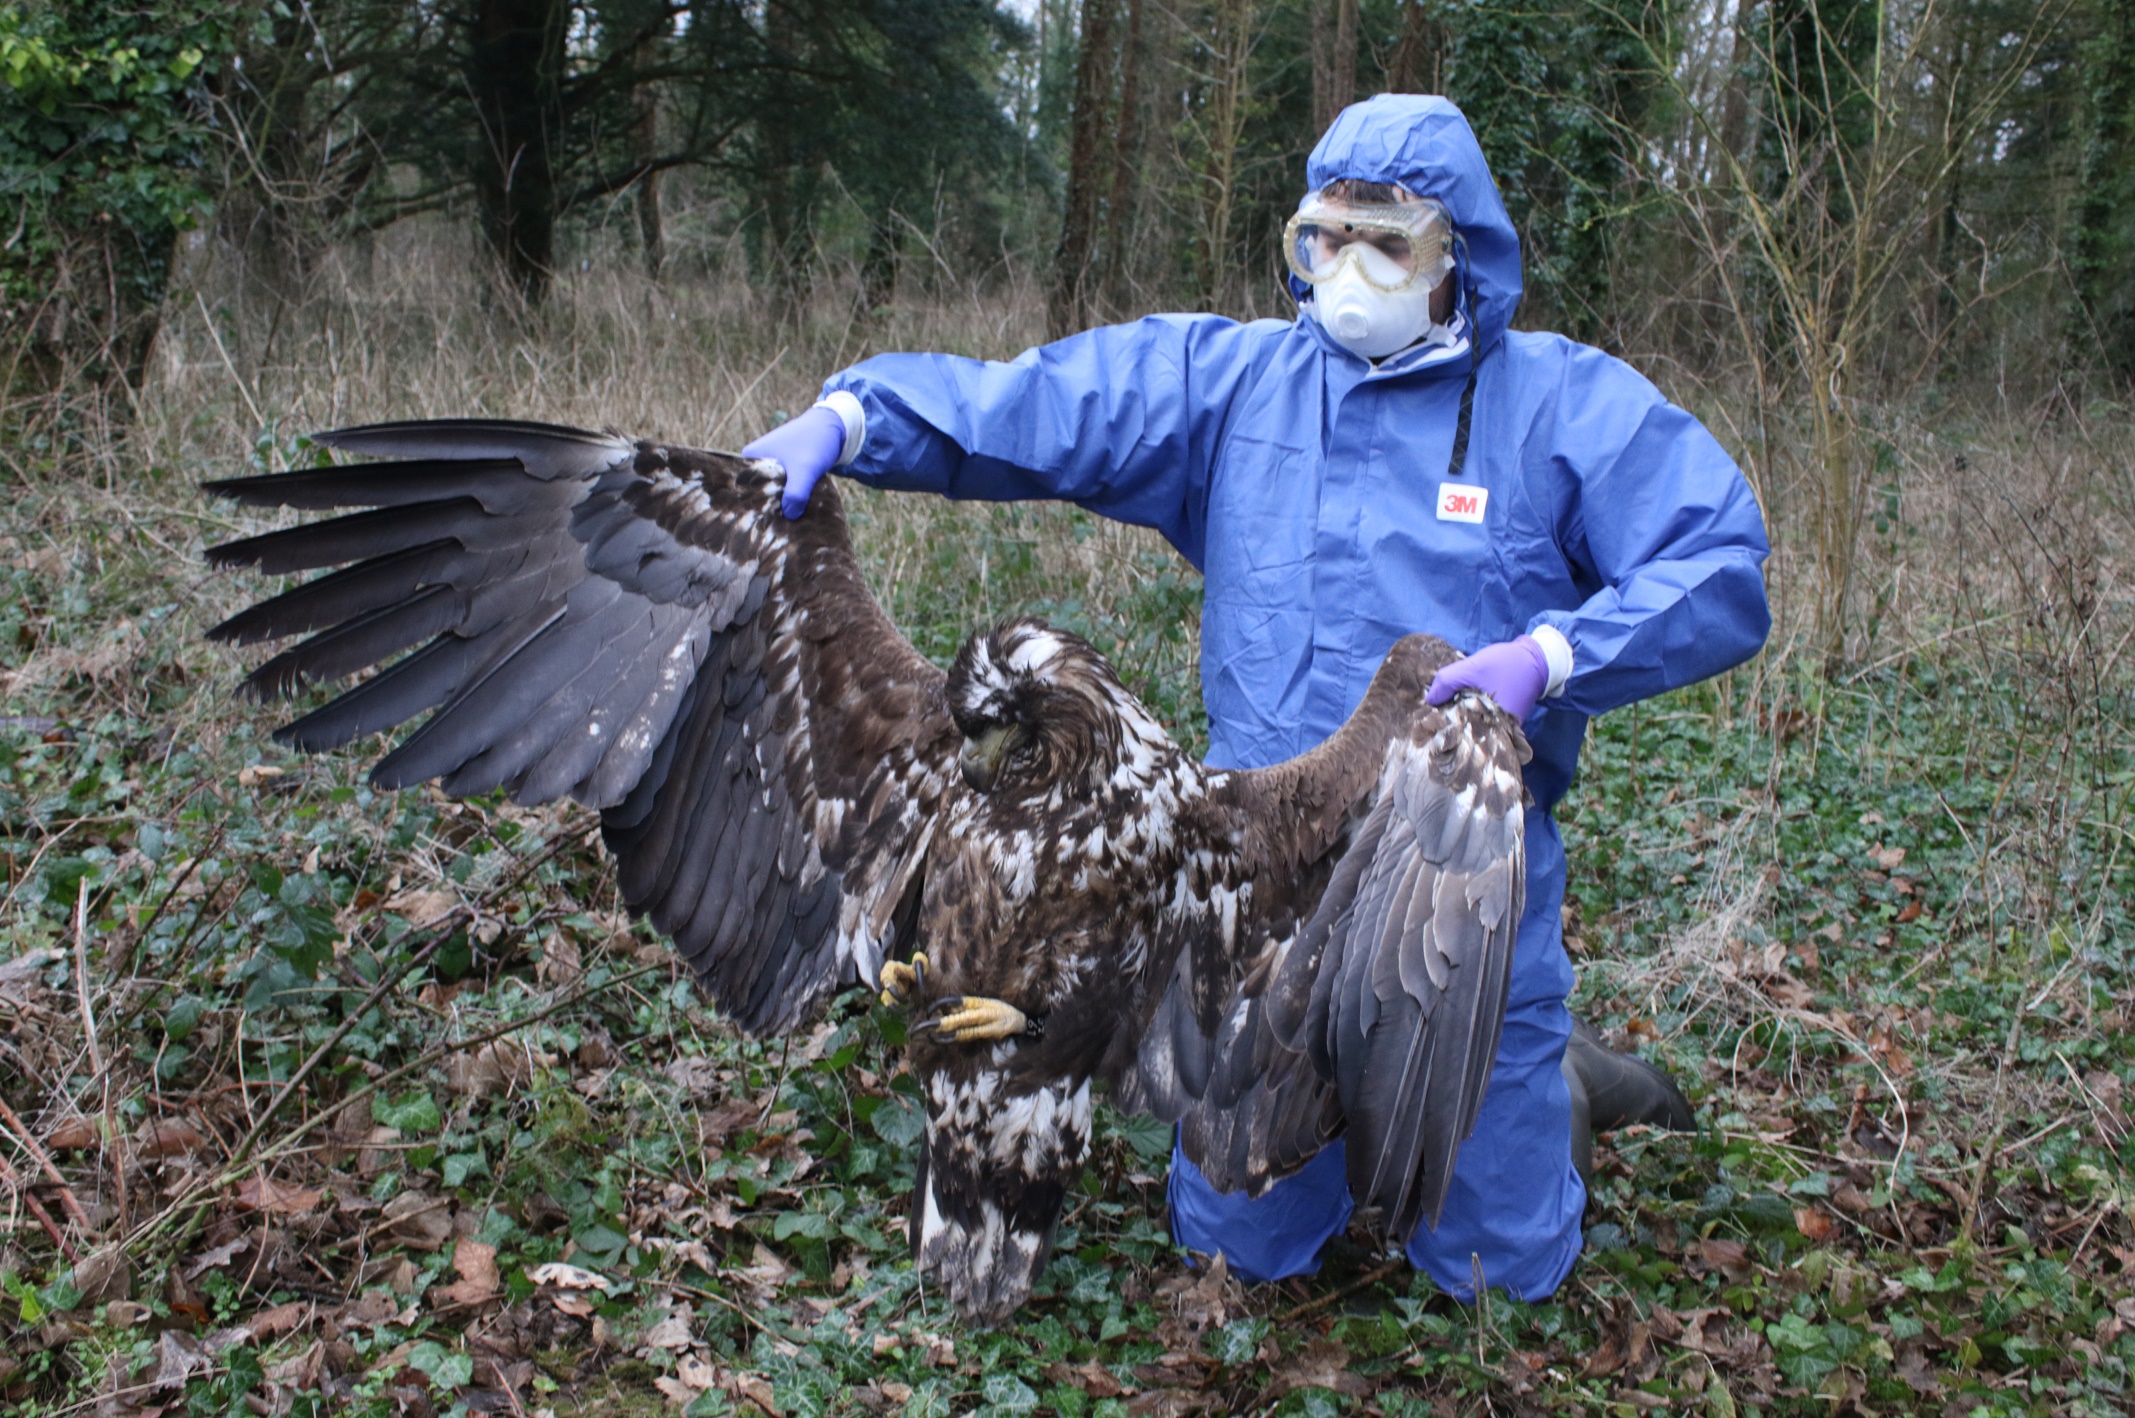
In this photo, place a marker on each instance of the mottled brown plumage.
(797, 797)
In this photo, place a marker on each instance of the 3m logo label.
(1462, 502)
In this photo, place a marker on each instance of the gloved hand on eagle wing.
(806, 446)
(1513, 672)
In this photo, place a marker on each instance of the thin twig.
(21, 1132)
(81, 976)
(14, 1180)
(215, 334)
(1321, 1302)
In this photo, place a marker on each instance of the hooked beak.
(983, 754)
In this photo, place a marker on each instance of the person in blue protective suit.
(1395, 459)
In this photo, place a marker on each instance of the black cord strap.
(1460, 430)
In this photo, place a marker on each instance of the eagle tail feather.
(993, 1174)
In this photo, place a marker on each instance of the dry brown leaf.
(168, 1137)
(1324, 1363)
(24, 967)
(280, 1320)
(764, 1277)
(178, 1357)
(1913, 1367)
(262, 1193)
(476, 1263)
(1092, 1378)
(215, 1258)
(758, 1392)
(422, 908)
(567, 1277)
(1816, 1225)
(1729, 1257)
(670, 1333)
(1171, 1403)
(560, 962)
(1199, 1302)
(106, 1275)
(418, 1219)
(73, 1135)
(488, 1070)
(700, 1078)
(301, 1371)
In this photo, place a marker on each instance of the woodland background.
(301, 1086)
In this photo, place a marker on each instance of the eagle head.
(1038, 708)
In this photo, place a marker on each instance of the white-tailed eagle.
(1014, 847)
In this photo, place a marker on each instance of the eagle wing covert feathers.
(1369, 903)
(1269, 958)
(634, 627)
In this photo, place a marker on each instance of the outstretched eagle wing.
(1377, 883)
(635, 627)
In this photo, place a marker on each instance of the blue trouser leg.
(1267, 1237)
(1513, 1211)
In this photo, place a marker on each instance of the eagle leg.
(972, 1019)
(902, 983)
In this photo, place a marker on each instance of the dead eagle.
(802, 801)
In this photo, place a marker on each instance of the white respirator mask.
(1372, 267)
(1365, 318)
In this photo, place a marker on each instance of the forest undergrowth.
(324, 1100)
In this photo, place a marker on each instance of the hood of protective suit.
(1423, 143)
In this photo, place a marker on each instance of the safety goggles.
(1394, 245)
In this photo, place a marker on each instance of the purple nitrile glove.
(806, 447)
(1513, 672)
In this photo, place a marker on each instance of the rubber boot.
(1610, 1090)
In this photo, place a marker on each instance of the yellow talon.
(972, 1019)
(901, 982)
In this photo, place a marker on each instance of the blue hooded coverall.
(1303, 482)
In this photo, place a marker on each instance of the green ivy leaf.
(411, 1113)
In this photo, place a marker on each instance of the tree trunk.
(271, 217)
(2103, 249)
(1126, 155)
(1334, 59)
(645, 147)
(1419, 56)
(1068, 308)
(1735, 98)
(514, 72)
(878, 270)
(1226, 113)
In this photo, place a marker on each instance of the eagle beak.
(982, 756)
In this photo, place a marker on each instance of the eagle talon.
(972, 1019)
(902, 983)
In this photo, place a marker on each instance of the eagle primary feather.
(1269, 958)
